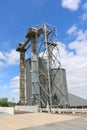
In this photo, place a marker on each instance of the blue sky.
(70, 18)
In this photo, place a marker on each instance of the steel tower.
(41, 47)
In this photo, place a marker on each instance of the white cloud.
(81, 35)
(73, 30)
(3, 87)
(71, 4)
(10, 58)
(1, 64)
(74, 60)
(79, 47)
(14, 82)
(83, 17)
(16, 90)
(2, 57)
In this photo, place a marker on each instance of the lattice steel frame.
(42, 41)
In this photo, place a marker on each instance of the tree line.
(4, 103)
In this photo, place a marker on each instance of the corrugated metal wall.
(60, 96)
(58, 85)
(28, 83)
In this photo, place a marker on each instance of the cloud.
(14, 82)
(81, 35)
(10, 58)
(83, 17)
(84, 6)
(80, 47)
(1, 64)
(72, 30)
(16, 90)
(10, 93)
(2, 57)
(74, 60)
(71, 4)
(3, 87)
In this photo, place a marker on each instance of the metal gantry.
(42, 48)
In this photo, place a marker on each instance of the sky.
(70, 18)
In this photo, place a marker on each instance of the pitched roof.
(76, 100)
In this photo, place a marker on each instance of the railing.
(64, 110)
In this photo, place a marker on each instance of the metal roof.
(76, 100)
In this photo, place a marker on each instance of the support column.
(22, 78)
(35, 73)
(48, 64)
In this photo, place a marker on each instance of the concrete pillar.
(22, 78)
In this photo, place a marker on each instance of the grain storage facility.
(59, 90)
(45, 80)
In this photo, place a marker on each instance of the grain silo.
(59, 93)
(45, 79)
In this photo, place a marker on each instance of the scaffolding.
(41, 47)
